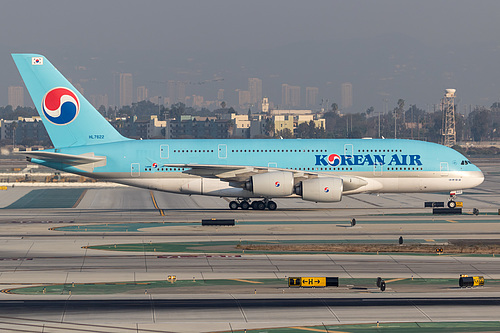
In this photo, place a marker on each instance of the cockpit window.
(465, 162)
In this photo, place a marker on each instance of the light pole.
(379, 124)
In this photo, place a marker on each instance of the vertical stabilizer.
(68, 117)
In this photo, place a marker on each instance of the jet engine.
(271, 184)
(321, 189)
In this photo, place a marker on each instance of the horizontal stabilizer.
(86, 162)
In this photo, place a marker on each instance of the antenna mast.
(448, 107)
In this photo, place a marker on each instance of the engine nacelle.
(271, 184)
(321, 189)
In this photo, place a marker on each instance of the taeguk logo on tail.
(60, 106)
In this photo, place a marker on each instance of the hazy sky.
(387, 49)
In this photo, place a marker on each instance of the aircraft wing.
(240, 173)
(233, 173)
(85, 162)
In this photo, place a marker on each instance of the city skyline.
(384, 52)
(311, 98)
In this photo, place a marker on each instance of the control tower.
(448, 107)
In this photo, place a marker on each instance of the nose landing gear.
(452, 199)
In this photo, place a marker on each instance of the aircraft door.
(135, 169)
(222, 151)
(444, 168)
(348, 150)
(377, 169)
(164, 151)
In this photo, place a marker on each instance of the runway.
(79, 259)
(244, 313)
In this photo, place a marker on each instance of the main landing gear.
(257, 205)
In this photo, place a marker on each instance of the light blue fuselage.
(394, 165)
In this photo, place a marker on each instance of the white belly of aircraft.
(192, 185)
(432, 182)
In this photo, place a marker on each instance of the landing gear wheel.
(254, 205)
(271, 205)
(260, 205)
(233, 205)
(244, 205)
(452, 204)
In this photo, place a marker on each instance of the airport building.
(99, 100)
(176, 91)
(292, 121)
(126, 89)
(346, 97)
(142, 93)
(290, 96)
(244, 99)
(240, 125)
(312, 97)
(220, 94)
(255, 89)
(27, 132)
(157, 129)
(16, 97)
(190, 127)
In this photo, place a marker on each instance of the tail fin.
(68, 117)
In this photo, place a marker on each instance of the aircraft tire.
(260, 205)
(271, 205)
(254, 205)
(244, 205)
(452, 204)
(233, 205)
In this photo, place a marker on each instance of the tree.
(177, 110)
(479, 124)
(308, 130)
(286, 133)
(335, 107)
(269, 127)
(398, 111)
(102, 110)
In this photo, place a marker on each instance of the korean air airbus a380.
(315, 170)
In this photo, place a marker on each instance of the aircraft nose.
(477, 178)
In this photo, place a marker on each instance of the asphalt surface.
(46, 246)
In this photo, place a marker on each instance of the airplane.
(250, 171)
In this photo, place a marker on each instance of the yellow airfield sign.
(313, 282)
(294, 281)
(306, 282)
